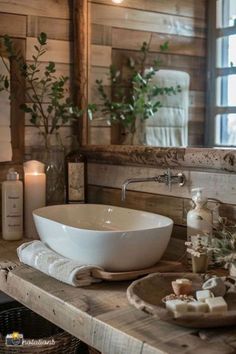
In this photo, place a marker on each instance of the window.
(221, 92)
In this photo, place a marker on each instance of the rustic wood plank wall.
(105, 182)
(29, 19)
(118, 31)
(23, 20)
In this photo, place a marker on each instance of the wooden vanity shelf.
(101, 316)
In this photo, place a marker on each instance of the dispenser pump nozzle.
(12, 175)
(198, 196)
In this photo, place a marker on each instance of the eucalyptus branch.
(145, 50)
(224, 242)
(141, 99)
(59, 109)
(19, 59)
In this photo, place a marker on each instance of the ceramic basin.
(114, 238)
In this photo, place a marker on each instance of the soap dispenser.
(199, 219)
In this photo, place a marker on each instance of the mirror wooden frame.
(17, 115)
(182, 158)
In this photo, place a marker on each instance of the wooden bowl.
(146, 294)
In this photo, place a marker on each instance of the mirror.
(116, 33)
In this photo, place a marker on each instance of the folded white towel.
(37, 255)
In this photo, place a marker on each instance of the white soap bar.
(183, 281)
(177, 305)
(202, 295)
(217, 304)
(197, 306)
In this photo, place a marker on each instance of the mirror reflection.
(191, 117)
(117, 34)
(5, 113)
(222, 110)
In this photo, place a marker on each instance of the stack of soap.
(177, 305)
(197, 306)
(203, 295)
(205, 299)
(217, 304)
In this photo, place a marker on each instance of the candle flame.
(117, 1)
(34, 167)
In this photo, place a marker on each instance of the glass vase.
(127, 134)
(200, 264)
(52, 154)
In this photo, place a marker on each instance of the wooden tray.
(146, 294)
(162, 266)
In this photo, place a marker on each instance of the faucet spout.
(166, 178)
(136, 180)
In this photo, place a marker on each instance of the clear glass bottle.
(76, 178)
(52, 154)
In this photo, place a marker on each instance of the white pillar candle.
(34, 194)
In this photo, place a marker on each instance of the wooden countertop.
(101, 316)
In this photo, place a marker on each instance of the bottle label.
(76, 182)
(14, 214)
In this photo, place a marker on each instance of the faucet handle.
(179, 178)
(182, 179)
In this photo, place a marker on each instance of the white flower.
(198, 245)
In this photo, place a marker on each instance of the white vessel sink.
(114, 238)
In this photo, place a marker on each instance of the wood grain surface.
(161, 266)
(110, 324)
(147, 295)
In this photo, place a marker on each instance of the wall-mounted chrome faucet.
(166, 178)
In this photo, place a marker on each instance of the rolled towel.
(37, 255)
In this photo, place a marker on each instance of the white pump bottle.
(199, 219)
(12, 207)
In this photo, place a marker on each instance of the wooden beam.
(81, 30)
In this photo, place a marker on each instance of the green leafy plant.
(137, 97)
(45, 93)
(221, 246)
(224, 243)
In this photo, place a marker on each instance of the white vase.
(200, 264)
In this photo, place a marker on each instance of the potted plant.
(49, 108)
(135, 99)
(199, 248)
(224, 245)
